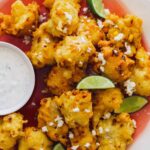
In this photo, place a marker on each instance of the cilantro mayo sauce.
(16, 78)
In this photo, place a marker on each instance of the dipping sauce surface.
(16, 79)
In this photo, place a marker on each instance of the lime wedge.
(97, 7)
(58, 147)
(132, 104)
(95, 82)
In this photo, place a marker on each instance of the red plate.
(30, 109)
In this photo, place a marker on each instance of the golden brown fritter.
(118, 67)
(89, 28)
(74, 51)
(114, 64)
(22, 21)
(63, 18)
(141, 73)
(61, 79)
(76, 107)
(11, 128)
(116, 132)
(82, 138)
(123, 30)
(51, 120)
(43, 48)
(105, 101)
(34, 139)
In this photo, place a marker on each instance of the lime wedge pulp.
(58, 147)
(95, 82)
(97, 7)
(132, 104)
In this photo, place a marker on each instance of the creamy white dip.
(16, 79)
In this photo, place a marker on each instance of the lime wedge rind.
(58, 147)
(95, 82)
(132, 104)
(97, 7)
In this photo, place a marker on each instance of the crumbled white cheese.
(60, 123)
(80, 63)
(107, 11)
(107, 130)
(107, 115)
(87, 145)
(87, 110)
(101, 58)
(134, 123)
(102, 68)
(75, 147)
(82, 39)
(51, 124)
(115, 52)
(85, 17)
(44, 129)
(119, 37)
(89, 50)
(65, 30)
(26, 40)
(85, 9)
(128, 49)
(130, 87)
(42, 18)
(44, 91)
(33, 104)
(88, 20)
(100, 130)
(76, 109)
(100, 24)
(116, 26)
(97, 144)
(58, 118)
(33, 26)
(68, 16)
(93, 132)
(47, 40)
(71, 135)
(109, 22)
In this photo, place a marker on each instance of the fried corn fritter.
(119, 71)
(11, 128)
(50, 118)
(63, 18)
(89, 28)
(43, 48)
(34, 139)
(123, 30)
(115, 133)
(61, 80)
(141, 73)
(74, 51)
(76, 107)
(22, 21)
(104, 102)
(82, 138)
